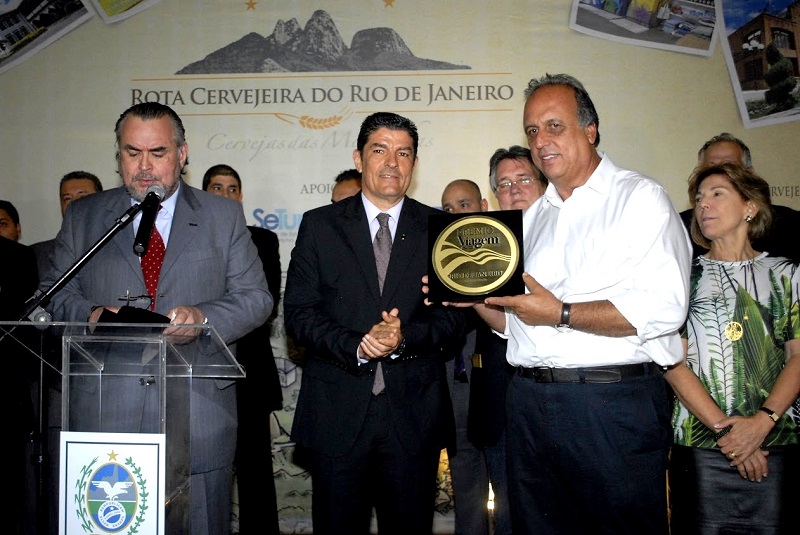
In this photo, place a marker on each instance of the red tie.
(151, 265)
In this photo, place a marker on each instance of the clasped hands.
(383, 338)
(742, 445)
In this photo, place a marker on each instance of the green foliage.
(756, 358)
(780, 78)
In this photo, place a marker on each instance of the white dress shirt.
(374, 226)
(616, 238)
(163, 218)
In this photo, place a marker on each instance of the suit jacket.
(332, 299)
(488, 385)
(210, 262)
(260, 393)
(18, 278)
(43, 250)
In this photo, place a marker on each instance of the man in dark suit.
(373, 411)
(74, 185)
(211, 274)
(468, 467)
(260, 392)
(781, 239)
(18, 282)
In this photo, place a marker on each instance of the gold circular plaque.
(475, 255)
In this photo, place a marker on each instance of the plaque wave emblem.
(475, 255)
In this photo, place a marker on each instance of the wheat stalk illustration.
(315, 123)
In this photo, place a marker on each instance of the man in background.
(73, 185)
(468, 467)
(260, 392)
(346, 184)
(781, 238)
(18, 282)
(210, 274)
(516, 184)
(10, 227)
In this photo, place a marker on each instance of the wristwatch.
(564, 326)
(772, 414)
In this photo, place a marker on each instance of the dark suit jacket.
(43, 250)
(18, 282)
(260, 393)
(18, 278)
(332, 300)
(781, 239)
(488, 385)
(210, 262)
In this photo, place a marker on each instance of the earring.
(748, 218)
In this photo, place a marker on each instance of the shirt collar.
(373, 211)
(167, 205)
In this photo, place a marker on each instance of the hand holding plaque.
(474, 256)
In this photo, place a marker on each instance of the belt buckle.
(477, 360)
(603, 376)
(543, 375)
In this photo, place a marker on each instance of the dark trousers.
(376, 472)
(588, 458)
(498, 476)
(258, 507)
(468, 468)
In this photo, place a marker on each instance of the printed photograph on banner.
(761, 53)
(112, 483)
(687, 26)
(27, 26)
(116, 10)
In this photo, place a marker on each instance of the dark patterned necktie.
(151, 265)
(382, 245)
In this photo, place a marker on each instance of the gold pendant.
(733, 331)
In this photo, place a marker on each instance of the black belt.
(597, 374)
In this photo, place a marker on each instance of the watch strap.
(566, 309)
(772, 414)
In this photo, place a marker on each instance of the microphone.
(149, 206)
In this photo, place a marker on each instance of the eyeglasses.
(505, 187)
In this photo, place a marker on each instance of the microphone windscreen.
(158, 190)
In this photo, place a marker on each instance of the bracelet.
(722, 433)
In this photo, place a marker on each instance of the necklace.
(733, 329)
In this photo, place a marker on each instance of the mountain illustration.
(317, 48)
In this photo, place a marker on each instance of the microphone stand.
(35, 311)
(37, 314)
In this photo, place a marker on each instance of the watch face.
(473, 256)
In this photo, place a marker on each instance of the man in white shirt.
(607, 273)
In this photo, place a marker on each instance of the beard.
(139, 194)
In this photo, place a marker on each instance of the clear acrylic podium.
(131, 378)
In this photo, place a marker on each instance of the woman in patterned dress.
(735, 463)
